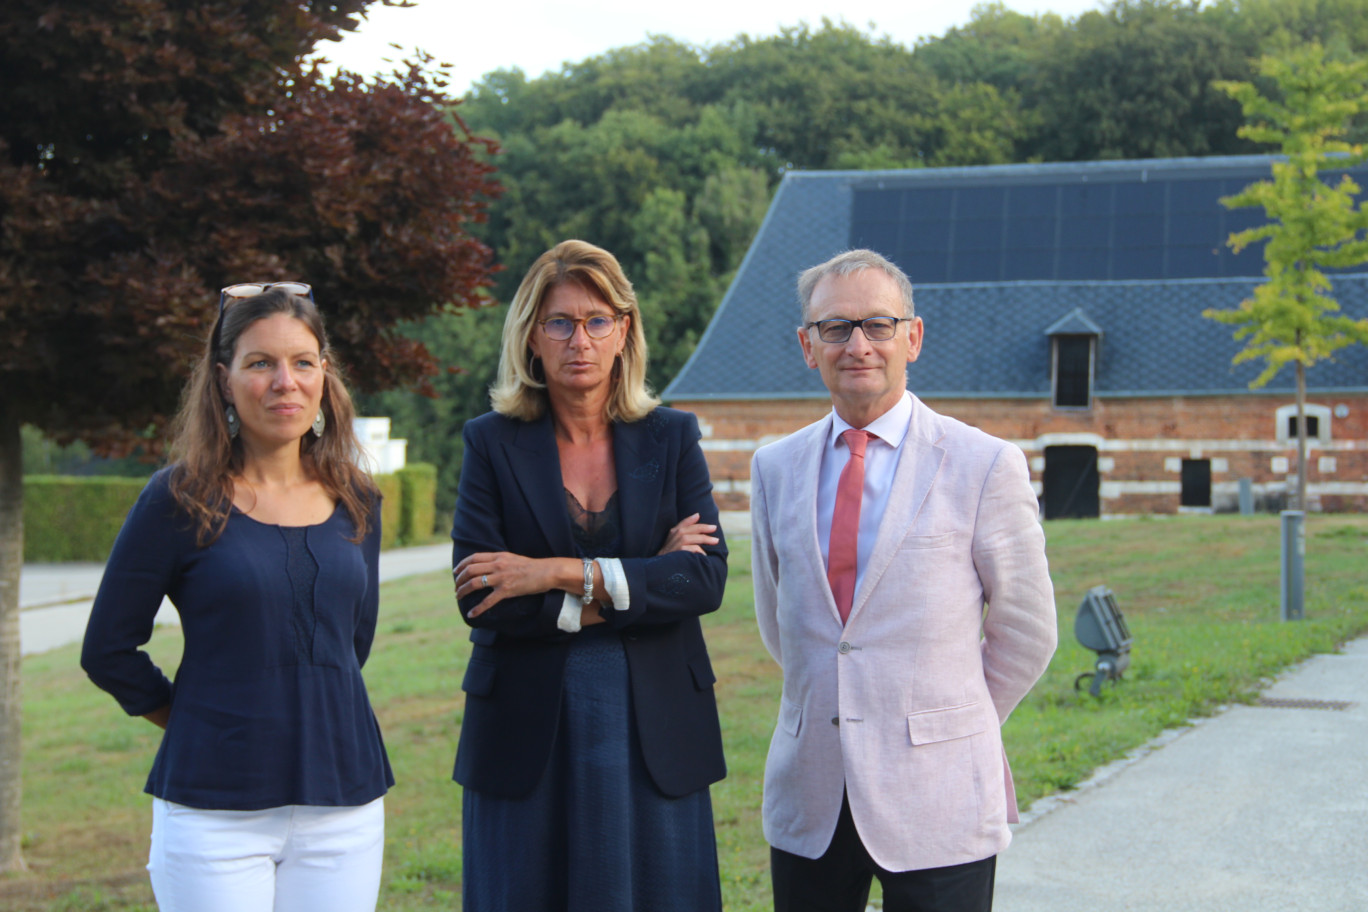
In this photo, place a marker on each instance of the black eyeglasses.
(598, 326)
(252, 289)
(875, 329)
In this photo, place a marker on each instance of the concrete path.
(1259, 809)
(55, 599)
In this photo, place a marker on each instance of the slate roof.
(989, 339)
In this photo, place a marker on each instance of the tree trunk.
(1301, 432)
(11, 706)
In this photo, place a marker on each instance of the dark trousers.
(839, 881)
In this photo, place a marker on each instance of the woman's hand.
(505, 575)
(159, 716)
(689, 535)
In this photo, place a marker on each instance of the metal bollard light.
(1293, 558)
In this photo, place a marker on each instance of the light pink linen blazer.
(921, 676)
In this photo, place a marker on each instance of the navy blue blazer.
(511, 498)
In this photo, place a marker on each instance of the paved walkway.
(55, 599)
(1258, 809)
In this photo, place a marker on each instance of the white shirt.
(881, 462)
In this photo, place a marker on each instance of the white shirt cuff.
(569, 618)
(615, 581)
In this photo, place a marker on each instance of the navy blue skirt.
(595, 835)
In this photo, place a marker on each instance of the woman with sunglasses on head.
(586, 547)
(267, 787)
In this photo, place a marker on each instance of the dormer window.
(1073, 355)
(1073, 371)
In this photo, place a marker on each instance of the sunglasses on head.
(252, 289)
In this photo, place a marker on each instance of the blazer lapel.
(532, 453)
(800, 513)
(919, 463)
(639, 453)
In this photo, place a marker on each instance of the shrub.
(390, 509)
(418, 506)
(67, 518)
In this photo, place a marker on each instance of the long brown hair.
(207, 456)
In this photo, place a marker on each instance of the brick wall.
(1141, 445)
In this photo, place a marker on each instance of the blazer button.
(835, 720)
(843, 648)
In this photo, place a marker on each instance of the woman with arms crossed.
(586, 548)
(265, 535)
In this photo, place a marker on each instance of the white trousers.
(286, 859)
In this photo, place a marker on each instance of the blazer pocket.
(790, 716)
(701, 669)
(479, 678)
(946, 724)
(922, 542)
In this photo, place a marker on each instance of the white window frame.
(1285, 414)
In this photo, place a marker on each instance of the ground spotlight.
(1101, 628)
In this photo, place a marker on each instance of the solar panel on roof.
(1005, 226)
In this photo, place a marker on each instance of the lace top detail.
(303, 571)
(597, 534)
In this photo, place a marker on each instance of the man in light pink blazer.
(887, 759)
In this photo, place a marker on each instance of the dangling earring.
(536, 369)
(319, 423)
(234, 422)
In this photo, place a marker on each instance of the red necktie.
(843, 550)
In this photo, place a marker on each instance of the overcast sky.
(540, 35)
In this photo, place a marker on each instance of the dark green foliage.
(41, 456)
(417, 506)
(75, 519)
(466, 343)
(1135, 82)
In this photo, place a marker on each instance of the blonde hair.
(208, 456)
(517, 391)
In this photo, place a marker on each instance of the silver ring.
(484, 580)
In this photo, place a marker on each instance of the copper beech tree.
(152, 151)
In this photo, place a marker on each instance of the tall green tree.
(1310, 104)
(1134, 81)
(153, 151)
(467, 343)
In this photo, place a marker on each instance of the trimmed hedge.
(67, 518)
(390, 509)
(418, 505)
(75, 519)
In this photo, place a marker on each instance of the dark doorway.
(1071, 483)
(1196, 483)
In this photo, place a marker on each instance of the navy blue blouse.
(268, 707)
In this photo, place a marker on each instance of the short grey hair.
(849, 263)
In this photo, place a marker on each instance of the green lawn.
(1200, 595)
